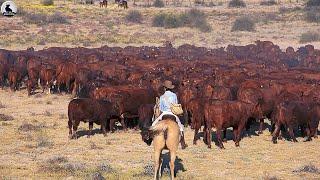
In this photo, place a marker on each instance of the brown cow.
(47, 77)
(31, 86)
(225, 114)
(15, 78)
(89, 110)
(297, 113)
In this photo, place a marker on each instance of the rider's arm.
(161, 104)
(175, 99)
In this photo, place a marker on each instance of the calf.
(89, 110)
(296, 113)
(225, 114)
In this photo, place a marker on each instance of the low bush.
(57, 18)
(43, 19)
(134, 16)
(268, 3)
(313, 3)
(243, 24)
(237, 3)
(193, 18)
(309, 37)
(47, 2)
(158, 3)
(4, 117)
(312, 15)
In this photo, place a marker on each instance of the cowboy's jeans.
(168, 113)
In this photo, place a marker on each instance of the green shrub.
(172, 21)
(268, 3)
(41, 18)
(35, 18)
(313, 3)
(237, 3)
(199, 2)
(193, 18)
(158, 20)
(134, 16)
(47, 2)
(158, 3)
(57, 18)
(243, 24)
(309, 37)
(312, 15)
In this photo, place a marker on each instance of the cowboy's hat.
(168, 84)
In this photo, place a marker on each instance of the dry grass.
(109, 26)
(43, 150)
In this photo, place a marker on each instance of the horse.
(103, 3)
(166, 135)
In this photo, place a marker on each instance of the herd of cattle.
(220, 88)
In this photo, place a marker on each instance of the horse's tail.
(161, 126)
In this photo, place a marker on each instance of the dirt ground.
(35, 145)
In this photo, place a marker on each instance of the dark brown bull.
(89, 110)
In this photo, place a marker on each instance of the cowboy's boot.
(182, 141)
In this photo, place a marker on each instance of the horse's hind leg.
(172, 159)
(156, 164)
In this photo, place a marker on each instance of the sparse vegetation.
(308, 169)
(44, 141)
(158, 3)
(47, 2)
(313, 3)
(134, 16)
(313, 15)
(47, 113)
(309, 37)
(193, 18)
(25, 127)
(199, 2)
(4, 117)
(268, 3)
(61, 164)
(237, 3)
(57, 18)
(43, 19)
(106, 168)
(244, 23)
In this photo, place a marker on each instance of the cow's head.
(146, 135)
